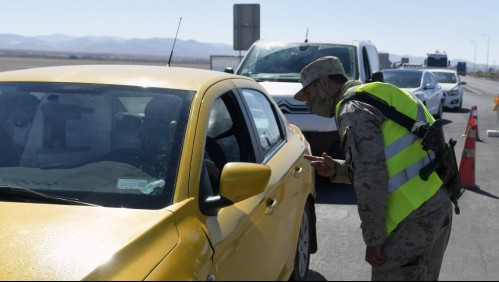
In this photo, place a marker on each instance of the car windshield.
(113, 146)
(403, 79)
(284, 61)
(445, 77)
(437, 60)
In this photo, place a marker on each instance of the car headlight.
(452, 92)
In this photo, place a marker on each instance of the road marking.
(473, 90)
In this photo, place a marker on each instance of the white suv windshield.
(284, 61)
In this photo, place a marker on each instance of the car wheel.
(302, 256)
(458, 109)
(440, 111)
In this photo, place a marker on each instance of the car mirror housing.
(377, 77)
(238, 182)
(429, 86)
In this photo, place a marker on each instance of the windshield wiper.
(19, 193)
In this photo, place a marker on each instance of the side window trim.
(367, 64)
(263, 154)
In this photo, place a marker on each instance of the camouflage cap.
(323, 66)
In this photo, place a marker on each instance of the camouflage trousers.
(416, 248)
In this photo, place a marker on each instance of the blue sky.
(402, 27)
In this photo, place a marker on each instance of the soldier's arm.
(360, 125)
(343, 172)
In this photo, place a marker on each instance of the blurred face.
(18, 123)
(159, 125)
(318, 101)
(156, 134)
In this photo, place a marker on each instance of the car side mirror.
(429, 86)
(229, 70)
(462, 82)
(238, 182)
(377, 76)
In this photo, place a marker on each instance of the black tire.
(440, 111)
(460, 107)
(302, 256)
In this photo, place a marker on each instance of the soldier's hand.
(374, 256)
(324, 165)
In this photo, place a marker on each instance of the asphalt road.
(473, 250)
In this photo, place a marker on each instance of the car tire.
(303, 250)
(440, 112)
(460, 107)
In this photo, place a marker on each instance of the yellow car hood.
(63, 242)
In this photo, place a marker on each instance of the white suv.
(277, 66)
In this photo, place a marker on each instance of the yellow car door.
(255, 239)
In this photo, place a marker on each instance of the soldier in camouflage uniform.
(415, 249)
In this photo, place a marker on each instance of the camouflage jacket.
(359, 127)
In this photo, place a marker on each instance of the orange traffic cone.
(473, 120)
(467, 166)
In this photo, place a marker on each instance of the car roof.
(404, 70)
(350, 43)
(133, 75)
(443, 70)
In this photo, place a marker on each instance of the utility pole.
(488, 45)
(474, 62)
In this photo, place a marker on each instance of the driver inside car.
(158, 127)
(17, 111)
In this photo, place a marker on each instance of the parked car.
(114, 179)
(421, 83)
(452, 86)
(411, 66)
(277, 66)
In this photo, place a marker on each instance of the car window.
(227, 130)
(114, 146)
(284, 61)
(403, 79)
(431, 78)
(265, 120)
(446, 77)
(222, 144)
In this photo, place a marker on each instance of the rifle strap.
(389, 111)
(453, 183)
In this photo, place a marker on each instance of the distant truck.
(436, 60)
(461, 68)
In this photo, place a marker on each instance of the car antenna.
(175, 40)
(306, 36)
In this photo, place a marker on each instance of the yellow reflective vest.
(403, 152)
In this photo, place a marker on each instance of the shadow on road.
(482, 192)
(315, 276)
(333, 193)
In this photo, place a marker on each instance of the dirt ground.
(16, 63)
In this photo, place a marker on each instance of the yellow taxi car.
(116, 172)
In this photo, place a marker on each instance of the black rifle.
(444, 163)
(432, 139)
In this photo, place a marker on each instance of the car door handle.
(298, 172)
(270, 206)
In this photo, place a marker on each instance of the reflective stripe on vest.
(403, 152)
